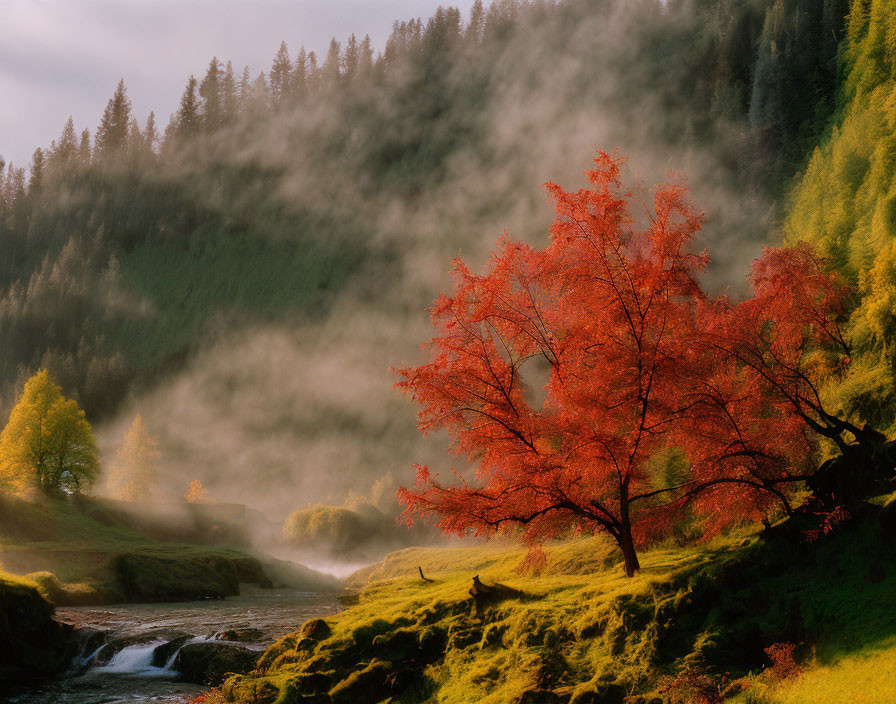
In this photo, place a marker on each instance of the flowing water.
(130, 676)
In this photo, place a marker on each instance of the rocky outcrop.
(210, 663)
(32, 643)
(241, 635)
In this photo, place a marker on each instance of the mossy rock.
(250, 690)
(241, 635)
(309, 684)
(210, 663)
(370, 685)
(315, 629)
(162, 654)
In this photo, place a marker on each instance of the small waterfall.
(85, 660)
(133, 660)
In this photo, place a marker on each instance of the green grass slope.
(80, 552)
(581, 632)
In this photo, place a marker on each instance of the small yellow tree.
(135, 470)
(47, 442)
(195, 493)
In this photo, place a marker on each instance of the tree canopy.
(47, 442)
(639, 359)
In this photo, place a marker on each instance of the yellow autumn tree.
(135, 470)
(196, 493)
(47, 442)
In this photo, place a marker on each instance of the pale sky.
(65, 57)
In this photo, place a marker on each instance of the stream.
(130, 675)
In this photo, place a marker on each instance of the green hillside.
(845, 205)
(694, 626)
(92, 551)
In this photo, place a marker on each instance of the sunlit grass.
(867, 677)
(715, 605)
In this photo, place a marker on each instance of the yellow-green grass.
(14, 581)
(578, 604)
(867, 677)
(714, 607)
(576, 592)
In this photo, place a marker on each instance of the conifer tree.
(150, 134)
(281, 76)
(300, 73)
(37, 170)
(351, 60)
(66, 148)
(210, 93)
(244, 90)
(85, 153)
(135, 139)
(312, 76)
(473, 33)
(189, 117)
(261, 95)
(229, 97)
(331, 70)
(112, 134)
(366, 65)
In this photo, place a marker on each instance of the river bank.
(130, 653)
(88, 551)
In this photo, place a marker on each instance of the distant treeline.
(125, 250)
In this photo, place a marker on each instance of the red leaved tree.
(639, 359)
(752, 410)
(607, 306)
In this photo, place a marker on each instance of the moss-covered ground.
(692, 626)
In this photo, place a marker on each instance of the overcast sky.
(64, 57)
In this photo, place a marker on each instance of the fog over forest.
(246, 276)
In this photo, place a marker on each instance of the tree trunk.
(629, 554)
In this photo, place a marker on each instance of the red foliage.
(692, 686)
(639, 359)
(784, 663)
(212, 696)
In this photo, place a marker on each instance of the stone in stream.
(241, 635)
(209, 663)
(162, 654)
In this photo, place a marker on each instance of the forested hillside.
(293, 223)
(845, 206)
